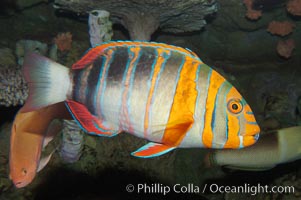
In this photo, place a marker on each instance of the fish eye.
(235, 106)
(24, 171)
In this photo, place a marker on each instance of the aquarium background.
(241, 39)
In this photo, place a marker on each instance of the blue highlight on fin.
(156, 153)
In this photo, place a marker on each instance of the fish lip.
(19, 184)
(256, 136)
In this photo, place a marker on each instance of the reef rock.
(23, 46)
(142, 18)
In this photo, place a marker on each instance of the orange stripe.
(124, 109)
(233, 124)
(157, 67)
(216, 80)
(182, 110)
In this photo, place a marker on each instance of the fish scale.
(159, 92)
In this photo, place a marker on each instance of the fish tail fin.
(49, 82)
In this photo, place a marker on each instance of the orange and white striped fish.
(159, 92)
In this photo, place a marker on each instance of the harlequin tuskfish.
(159, 92)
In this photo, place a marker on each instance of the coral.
(53, 52)
(280, 28)
(63, 41)
(251, 13)
(294, 7)
(100, 27)
(74, 54)
(23, 46)
(142, 18)
(285, 48)
(13, 89)
(72, 142)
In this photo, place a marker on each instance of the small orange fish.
(30, 132)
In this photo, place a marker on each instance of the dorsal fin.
(93, 53)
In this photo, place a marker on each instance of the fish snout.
(19, 184)
(21, 179)
(251, 135)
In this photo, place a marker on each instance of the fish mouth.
(256, 136)
(19, 184)
(249, 140)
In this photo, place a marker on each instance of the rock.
(23, 46)
(232, 41)
(27, 3)
(7, 58)
(281, 107)
(142, 18)
(91, 141)
(270, 124)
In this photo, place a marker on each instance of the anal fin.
(87, 121)
(152, 150)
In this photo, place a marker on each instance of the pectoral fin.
(54, 128)
(44, 161)
(176, 131)
(89, 122)
(152, 150)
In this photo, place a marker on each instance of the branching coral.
(63, 41)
